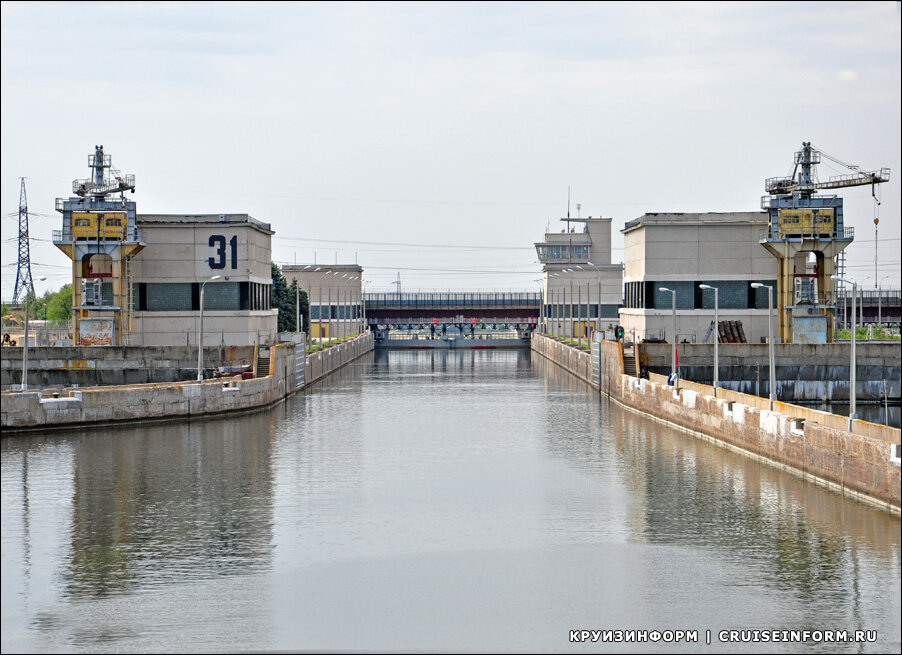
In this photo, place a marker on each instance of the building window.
(223, 296)
(166, 296)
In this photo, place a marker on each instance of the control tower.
(100, 237)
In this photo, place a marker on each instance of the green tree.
(59, 306)
(284, 297)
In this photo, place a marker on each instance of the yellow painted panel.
(108, 225)
(795, 222)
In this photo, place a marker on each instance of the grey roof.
(195, 219)
(697, 218)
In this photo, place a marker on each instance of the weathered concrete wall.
(804, 372)
(851, 461)
(90, 366)
(813, 443)
(323, 362)
(150, 401)
(172, 400)
(835, 421)
(574, 360)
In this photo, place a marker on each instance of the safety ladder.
(128, 305)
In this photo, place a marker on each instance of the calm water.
(427, 501)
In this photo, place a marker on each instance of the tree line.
(53, 306)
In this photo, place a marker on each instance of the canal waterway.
(422, 501)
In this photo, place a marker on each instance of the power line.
(406, 245)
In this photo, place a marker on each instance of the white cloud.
(847, 76)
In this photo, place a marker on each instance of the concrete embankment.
(863, 462)
(289, 370)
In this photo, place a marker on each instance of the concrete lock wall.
(88, 366)
(863, 462)
(804, 372)
(574, 360)
(169, 400)
(323, 362)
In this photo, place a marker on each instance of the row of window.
(328, 312)
(732, 294)
(581, 311)
(185, 296)
(563, 253)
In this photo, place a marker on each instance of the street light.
(24, 385)
(363, 304)
(879, 298)
(770, 339)
(716, 332)
(200, 332)
(853, 362)
(541, 284)
(598, 316)
(673, 366)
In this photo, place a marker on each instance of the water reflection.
(157, 504)
(425, 501)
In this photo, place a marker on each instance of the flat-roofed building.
(582, 289)
(681, 251)
(183, 252)
(335, 294)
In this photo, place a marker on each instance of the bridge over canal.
(446, 319)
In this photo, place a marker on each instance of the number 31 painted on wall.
(219, 242)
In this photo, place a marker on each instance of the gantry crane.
(802, 224)
(100, 236)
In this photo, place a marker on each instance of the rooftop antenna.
(24, 283)
(568, 210)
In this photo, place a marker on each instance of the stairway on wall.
(630, 363)
(262, 369)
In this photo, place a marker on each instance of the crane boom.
(803, 183)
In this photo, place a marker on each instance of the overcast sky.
(392, 132)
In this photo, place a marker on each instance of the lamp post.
(363, 304)
(24, 385)
(541, 303)
(853, 363)
(297, 309)
(200, 332)
(598, 315)
(879, 299)
(770, 339)
(673, 366)
(716, 333)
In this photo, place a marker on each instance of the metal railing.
(844, 234)
(509, 320)
(420, 336)
(451, 300)
(886, 297)
(66, 236)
